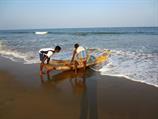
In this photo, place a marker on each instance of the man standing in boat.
(45, 54)
(79, 56)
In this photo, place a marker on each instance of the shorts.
(82, 55)
(41, 56)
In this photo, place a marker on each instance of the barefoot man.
(79, 55)
(45, 54)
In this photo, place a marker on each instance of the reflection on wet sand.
(82, 85)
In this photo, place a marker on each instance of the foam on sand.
(135, 66)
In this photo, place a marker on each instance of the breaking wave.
(135, 66)
(14, 55)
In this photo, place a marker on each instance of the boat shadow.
(84, 85)
(66, 75)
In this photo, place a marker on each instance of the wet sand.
(67, 96)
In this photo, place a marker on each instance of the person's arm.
(48, 55)
(73, 56)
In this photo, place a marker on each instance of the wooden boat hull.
(64, 65)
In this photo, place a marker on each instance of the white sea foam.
(41, 32)
(17, 56)
(135, 66)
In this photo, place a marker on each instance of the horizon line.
(78, 27)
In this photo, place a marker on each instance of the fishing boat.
(94, 57)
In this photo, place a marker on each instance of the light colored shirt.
(79, 49)
(48, 50)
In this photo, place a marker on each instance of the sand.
(67, 96)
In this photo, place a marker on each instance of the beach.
(66, 96)
(116, 41)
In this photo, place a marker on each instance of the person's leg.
(41, 65)
(76, 63)
(83, 57)
(42, 80)
(49, 70)
(48, 60)
(84, 65)
(41, 68)
(48, 76)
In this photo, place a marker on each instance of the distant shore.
(66, 96)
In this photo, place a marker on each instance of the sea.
(134, 49)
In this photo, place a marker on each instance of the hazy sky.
(26, 14)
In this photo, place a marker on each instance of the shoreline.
(132, 79)
(116, 76)
(67, 96)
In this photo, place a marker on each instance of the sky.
(36, 14)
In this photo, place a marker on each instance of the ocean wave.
(41, 32)
(135, 66)
(14, 55)
(100, 33)
(86, 31)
